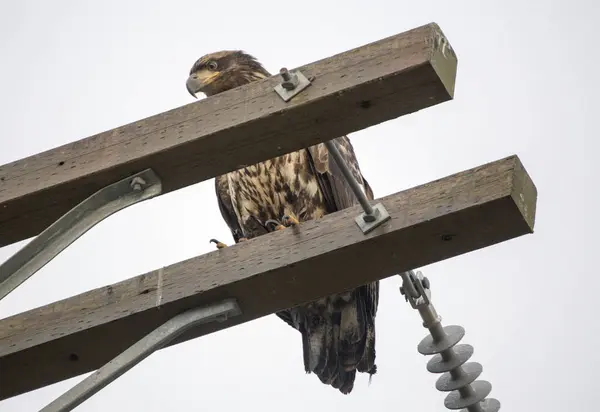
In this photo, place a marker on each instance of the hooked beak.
(194, 85)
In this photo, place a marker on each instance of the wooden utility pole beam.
(444, 218)
(350, 91)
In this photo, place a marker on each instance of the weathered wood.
(458, 214)
(351, 91)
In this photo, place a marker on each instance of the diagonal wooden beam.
(445, 218)
(350, 91)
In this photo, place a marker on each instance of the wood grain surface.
(460, 213)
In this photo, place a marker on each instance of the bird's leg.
(290, 220)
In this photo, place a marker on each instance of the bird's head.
(217, 72)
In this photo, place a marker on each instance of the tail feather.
(344, 381)
(316, 344)
(305, 347)
(332, 349)
(338, 338)
(367, 363)
(353, 333)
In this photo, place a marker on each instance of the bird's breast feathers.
(276, 187)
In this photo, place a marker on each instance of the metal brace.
(58, 236)
(139, 351)
(292, 83)
(373, 216)
(459, 377)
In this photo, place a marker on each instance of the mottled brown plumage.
(338, 331)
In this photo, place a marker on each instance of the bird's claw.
(273, 225)
(289, 220)
(286, 221)
(220, 245)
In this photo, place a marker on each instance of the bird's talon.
(290, 220)
(220, 245)
(273, 225)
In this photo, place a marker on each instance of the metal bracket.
(292, 84)
(139, 351)
(58, 236)
(415, 288)
(366, 223)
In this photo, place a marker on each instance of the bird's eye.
(212, 65)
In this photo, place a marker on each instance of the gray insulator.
(462, 352)
(459, 376)
(487, 405)
(431, 346)
(451, 381)
(457, 400)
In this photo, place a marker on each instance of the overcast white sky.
(527, 84)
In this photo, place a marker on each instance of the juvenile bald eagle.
(338, 331)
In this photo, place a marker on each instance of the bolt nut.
(426, 283)
(369, 218)
(137, 183)
(290, 80)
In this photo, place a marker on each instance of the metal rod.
(58, 236)
(373, 216)
(360, 195)
(141, 350)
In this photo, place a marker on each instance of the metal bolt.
(290, 80)
(137, 183)
(402, 291)
(221, 318)
(370, 217)
(426, 283)
(285, 74)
